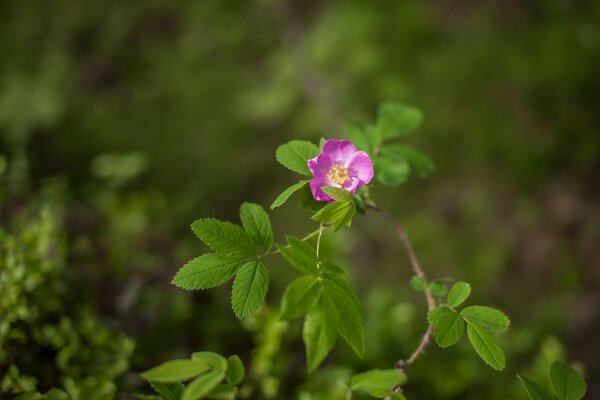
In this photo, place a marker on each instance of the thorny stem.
(403, 364)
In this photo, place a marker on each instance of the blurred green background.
(122, 122)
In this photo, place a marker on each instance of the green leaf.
(300, 297)
(417, 160)
(338, 194)
(331, 270)
(202, 386)
(300, 255)
(294, 155)
(282, 198)
(204, 272)
(486, 345)
(249, 288)
(235, 370)
(357, 136)
(390, 172)
(308, 201)
(339, 213)
(175, 371)
(213, 360)
(417, 283)
(434, 315)
(351, 326)
(224, 237)
(395, 120)
(397, 396)
(320, 332)
(377, 382)
(223, 391)
(568, 383)
(448, 326)
(486, 317)
(459, 292)
(168, 391)
(437, 288)
(258, 225)
(535, 391)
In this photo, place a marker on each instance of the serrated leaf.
(202, 386)
(249, 288)
(257, 224)
(437, 288)
(175, 371)
(235, 370)
(300, 297)
(535, 391)
(486, 345)
(434, 315)
(351, 326)
(567, 382)
(224, 237)
(390, 172)
(285, 195)
(486, 317)
(300, 255)
(339, 213)
(417, 283)
(168, 391)
(448, 327)
(338, 194)
(459, 292)
(417, 160)
(294, 155)
(377, 382)
(204, 272)
(212, 359)
(394, 120)
(320, 332)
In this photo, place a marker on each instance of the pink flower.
(339, 165)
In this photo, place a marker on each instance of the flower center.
(338, 174)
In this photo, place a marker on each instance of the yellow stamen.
(338, 174)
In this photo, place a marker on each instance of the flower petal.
(315, 187)
(351, 185)
(340, 151)
(320, 165)
(361, 167)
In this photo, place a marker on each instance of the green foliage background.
(122, 122)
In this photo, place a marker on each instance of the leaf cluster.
(568, 384)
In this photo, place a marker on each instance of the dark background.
(144, 116)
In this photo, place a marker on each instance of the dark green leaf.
(568, 383)
(377, 382)
(224, 237)
(203, 385)
(295, 155)
(300, 297)
(308, 201)
(249, 288)
(486, 317)
(301, 256)
(339, 213)
(257, 224)
(329, 269)
(448, 327)
(282, 198)
(338, 194)
(417, 160)
(175, 371)
(437, 288)
(235, 370)
(486, 345)
(535, 391)
(395, 120)
(459, 292)
(205, 272)
(390, 172)
(320, 332)
(417, 283)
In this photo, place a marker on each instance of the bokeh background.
(122, 122)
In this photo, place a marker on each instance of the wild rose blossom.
(340, 165)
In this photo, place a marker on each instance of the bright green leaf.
(535, 391)
(175, 371)
(448, 327)
(168, 391)
(300, 297)
(223, 391)
(459, 292)
(331, 270)
(282, 198)
(339, 213)
(395, 120)
(434, 315)
(568, 383)
(377, 382)
(257, 224)
(203, 385)
(249, 288)
(294, 155)
(417, 160)
(235, 370)
(224, 237)
(390, 172)
(300, 255)
(213, 360)
(320, 332)
(204, 272)
(437, 288)
(486, 345)
(397, 396)
(486, 317)
(338, 194)
(417, 283)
